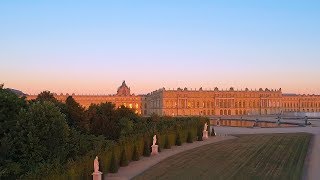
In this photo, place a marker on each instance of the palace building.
(185, 102)
(123, 97)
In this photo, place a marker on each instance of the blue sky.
(91, 46)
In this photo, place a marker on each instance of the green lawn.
(262, 156)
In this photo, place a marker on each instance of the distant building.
(184, 102)
(123, 97)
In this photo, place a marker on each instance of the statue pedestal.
(205, 135)
(154, 150)
(97, 175)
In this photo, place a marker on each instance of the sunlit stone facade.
(185, 102)
(123, 97)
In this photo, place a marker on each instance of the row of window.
(303, 104)
(302, 110)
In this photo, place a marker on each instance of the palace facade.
(185, 102)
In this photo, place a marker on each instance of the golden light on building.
(184, 102)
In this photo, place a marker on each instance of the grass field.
(263, 156)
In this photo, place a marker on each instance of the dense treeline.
(61, 139)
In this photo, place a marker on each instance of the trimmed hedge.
(168, 130)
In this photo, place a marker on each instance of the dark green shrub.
(124, 160)
(178, 140)
(158, 143)
(212, 132)
(113, 164)
(146, 149)
(167, 143)
(199, 134)
(135, 156)
(189, 138)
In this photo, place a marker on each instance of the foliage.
(167, 143)
(124, 159)
(46, 96)
(178, 140)
(135, 156)
(199, 134)
(10, 106)
(76, 115)
(212, 132)
(114, 164)
(146, 149)
(189, 138)
(39, 136)
(61, 140)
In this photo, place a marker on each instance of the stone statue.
(96, 165)
(205, 126)
(154, 140)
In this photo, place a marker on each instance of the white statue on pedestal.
(96, 174)
(205, 132)
(205, 126)
(96, 164)
(154, 140)
(154, 146)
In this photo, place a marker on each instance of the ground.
(260, 156)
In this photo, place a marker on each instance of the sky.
(90, 47)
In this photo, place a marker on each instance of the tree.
(126, 126)
(146, 149)
(189, 138)
(212, 132)
(166, 142)
(124, 160)
(178, 140)
(10, 106)
(40, 136)
(199, 133)
(114, 164)
(46, 96)
(135, 155)
(102, 120)
(76, 115)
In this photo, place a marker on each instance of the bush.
(158, 143)
(199, 134)
(135, 156)
(212, 132)
(114, 165)
(146, 149)
(178, 140)
(124, 160)
(167, 143)
(189, 138)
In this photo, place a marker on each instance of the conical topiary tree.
(178, 140)
(189, 138)
(124, 160)
(167, 143)
(113, 164)
(199, 134)
(146, 149)
(158, 143)
(212, 132)
(135, 155)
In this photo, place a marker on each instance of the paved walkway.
(137, 167)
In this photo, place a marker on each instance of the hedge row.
(166, 128)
